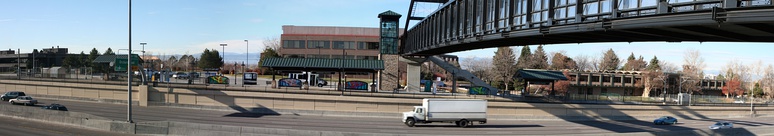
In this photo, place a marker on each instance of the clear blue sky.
(190, 26)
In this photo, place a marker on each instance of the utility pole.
(128, 72)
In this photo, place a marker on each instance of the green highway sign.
(120, 63)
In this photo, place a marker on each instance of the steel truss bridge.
(461, 25)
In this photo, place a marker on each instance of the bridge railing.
(461, 20)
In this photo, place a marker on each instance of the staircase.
(462, 73)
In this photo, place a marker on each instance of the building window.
(293, 44)
(389, 46)
(293, 56)
(603, 91)
(318, 56)
(590, 91)
(344, 45)
(368, 45)
(319, 44)
(345, 57)
(366, 57)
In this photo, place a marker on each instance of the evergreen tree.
(210, 59)
(654, 64)
(539, 59)
(629, 62)
(267, 53)
(83, 60)
(71, 61)
(720, 77)
(109, 52)
(524, 58)
(610, 61)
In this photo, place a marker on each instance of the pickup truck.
(462, 112)
(26, 100)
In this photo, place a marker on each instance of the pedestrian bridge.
(461, 25)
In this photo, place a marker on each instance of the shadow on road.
(481, 126)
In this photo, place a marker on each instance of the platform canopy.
(539, 75)
(321, 64)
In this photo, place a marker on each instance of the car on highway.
(11, 95)
(55, 106)
(722, 125)
(180, 75)
(665, 120)
(26, 100)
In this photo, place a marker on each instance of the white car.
(722, 125)
(26, 100)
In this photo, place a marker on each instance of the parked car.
(722, 125)
(180, 75)
(11, 95)
(194, 75)
(55, 107)
(665, 120)
(26, 100)
(321, 82)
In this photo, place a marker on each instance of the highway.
(389, 125)
(21, 127)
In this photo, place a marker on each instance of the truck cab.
(418, 114)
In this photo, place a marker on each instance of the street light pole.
(18, 63)
(247, 58)
(224, 54)
(128, 67)
(142, 71)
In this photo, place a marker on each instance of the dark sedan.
(55, 107)
(665, 120)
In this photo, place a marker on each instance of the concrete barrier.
(66, 117)
(333, 105)
(185, 128)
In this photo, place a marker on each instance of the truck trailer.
(461, 112)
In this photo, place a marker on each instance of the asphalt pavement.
(23, 127)
(389, 125)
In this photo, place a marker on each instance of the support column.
(412, 77)
(143, 95)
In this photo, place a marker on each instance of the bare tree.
(480, 67)
(736, 69)
(693, 67)
(667, 67)
(273, 43)
(768, 80)
(584, 62)
(504, 62)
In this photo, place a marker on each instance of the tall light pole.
(129, 74)
(142, 71)
(247, 57)
(18, 63)
(224, 53)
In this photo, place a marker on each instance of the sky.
(190, 26)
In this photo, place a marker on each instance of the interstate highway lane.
(387, 125)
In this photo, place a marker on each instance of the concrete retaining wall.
(248, 101)
(66, 117)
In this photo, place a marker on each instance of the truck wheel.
(457, 123)
(463, 123)
(410, 122)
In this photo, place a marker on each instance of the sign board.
(120, 63)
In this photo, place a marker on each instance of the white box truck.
(462, 112)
